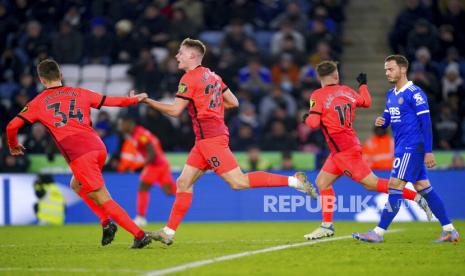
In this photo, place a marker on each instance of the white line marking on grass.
(70, 270)
(244, 254)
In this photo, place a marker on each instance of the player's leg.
(219, 156)
(94, 185)
(437, 207)
(143, 194)
(182, 203)
(324, 182)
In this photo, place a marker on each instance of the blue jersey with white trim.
(403, 110)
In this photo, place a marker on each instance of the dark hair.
(326, 68)
(48, 69)
(196, 44)
(399, 59)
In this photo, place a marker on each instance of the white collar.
(402, 89)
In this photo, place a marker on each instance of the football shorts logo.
(182, 88)
(24, 109)
(419, 99)
(312, 103)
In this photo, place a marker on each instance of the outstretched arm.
(229, 100)
(173, 110)
(11, 132)
(133, 98)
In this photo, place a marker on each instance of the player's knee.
(322, 185)
(237, 185)
(182, 185)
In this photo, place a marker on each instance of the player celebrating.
(407, 112)
(156, 166)
(333, 108)
(206, 96)
(65, 112)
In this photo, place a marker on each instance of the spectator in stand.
(153, 27)
(254, 160)
(294, 15)
(73, 17)
(8, 87)
(103, 125)
(447, 128)
(243, 138)
(235, 36)
(38, 141)
(308, 78)
(67, 44)
(8, 25)
(289, 47)
(286, 161)
(227, 67)
(194, 11)
(146, 74)
(452, 82)
(99, 43)
(285, 73)
(448, 39)
(423, 34)
(247, 116)
(320, 13)
(454, 15)
(323, 52)
(279, 138)
(404, 24)
(276, 98)
(279, 114)
(171, 76)
(266, 11)
(27, 85)
(181, 26)
(277, 40)
(127, 44)
(33, 39)
(378, 150)
(424, 62)
(255, 78)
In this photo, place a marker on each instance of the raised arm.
(12, 132)
(175, 109)
(365, 97)
(229, 100)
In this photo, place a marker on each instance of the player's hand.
(17, 150)
(140, 97)
(379, 121)
(430, 161)
(304, 117)
(362, 79)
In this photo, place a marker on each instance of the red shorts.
(348, 162)
(212, 154)
(159, 174)
(87, 169)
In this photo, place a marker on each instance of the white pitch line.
(244, 254)
(70, 270)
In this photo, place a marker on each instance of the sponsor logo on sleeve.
(24, 109)
(419, 99)
(312, 103)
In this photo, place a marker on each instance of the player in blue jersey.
(407, 112)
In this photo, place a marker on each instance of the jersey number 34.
(72, 114)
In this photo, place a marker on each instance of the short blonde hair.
(196, 44)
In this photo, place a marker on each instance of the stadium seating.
(94, 72)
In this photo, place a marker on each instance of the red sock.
(143, 198)
(98, 210)
(382, 186)
(122, 218)
(409, 194)
(181, 204)
(265, 179)
(327, 204)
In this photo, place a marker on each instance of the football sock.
(436, 205)
(181, 204)
(97, 210)
(265, 179)
(122, 218)
(391, 208)
(327, 204)
(143, 198)
(383, 187)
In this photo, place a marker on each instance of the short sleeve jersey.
(65, 112)
(141, 138)
(204, 90)
(336, 105)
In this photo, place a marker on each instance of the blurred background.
(265, 51)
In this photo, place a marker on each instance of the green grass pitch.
(75, 249)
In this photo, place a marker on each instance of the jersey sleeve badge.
(312, 103)
(143, 139)
(26, 108)
(182, 88)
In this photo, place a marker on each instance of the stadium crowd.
(264, 50)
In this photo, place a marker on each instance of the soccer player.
(206, 96)
(407, 112)
(332, 108)
(65, 112)
(156, 166)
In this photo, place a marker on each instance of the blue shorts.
(409, 166)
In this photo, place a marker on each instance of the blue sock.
(436, 205)
(391, 208)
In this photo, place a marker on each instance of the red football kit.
(159, 169)
(65, 112)
(203, 89)
(333, 108)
